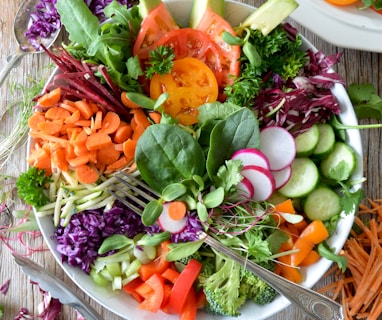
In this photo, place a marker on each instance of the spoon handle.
(13, 60)
(312, 303)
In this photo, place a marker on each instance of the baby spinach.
(239, 130)
(167, 154)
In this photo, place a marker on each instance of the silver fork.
(137, 194)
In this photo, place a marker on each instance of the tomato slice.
(214, 26)
(190, 84)
(157, 24)
(187, 42)
(342, 2)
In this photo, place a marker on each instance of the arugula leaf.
(78, 20)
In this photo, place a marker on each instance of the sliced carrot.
(127, 102)
(110, 123)
(158, 265)
(86, 174)
(79, 138)
(83, 123)
(51, 98)
(285, 206)
(123, 133)
(140, 117)
(51, 127)
(48, 137)
(68, 105)
(177, 210)
(74, 117)
(98, 141)
(55, 113)
(129, 148)
(155, 116)
(138, 131)
(97, 120)
(287, 271)
(59, 158)
(108, 155)
(117, 165)
(85, 109)
(41, 159)
(79, 160)
(35, 119)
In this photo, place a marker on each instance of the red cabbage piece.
(79, 241)
(45, 19)
(305, 100)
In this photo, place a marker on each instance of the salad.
(375, 5)
(257, 114)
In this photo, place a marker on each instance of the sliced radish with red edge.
(279, 146)
(282, 176)
(262, 181)
(251, 156)
(245, 189)
(168, 224)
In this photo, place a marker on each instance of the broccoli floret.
(222, 289)
(256, 289)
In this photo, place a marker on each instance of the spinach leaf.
(166, 154)
(240, 130)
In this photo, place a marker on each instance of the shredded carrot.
(359, 289)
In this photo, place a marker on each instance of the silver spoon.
(20, 26)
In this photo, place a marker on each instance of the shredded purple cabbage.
(308, 99)
(45, 20)
(79, 241)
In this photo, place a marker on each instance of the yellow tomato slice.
(189, 84)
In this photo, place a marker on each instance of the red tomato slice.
(193, 43)
(157, 24)
(214, 25)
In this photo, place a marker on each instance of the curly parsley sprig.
(161, 61)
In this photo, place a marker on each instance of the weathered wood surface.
(355, 66)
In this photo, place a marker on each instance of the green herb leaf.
(366, 102)
(31, 187)
(115, 242)
(325, 251)
(182, 250)
(173, 191)
(161, 61)
(151, 212)
(154, 239)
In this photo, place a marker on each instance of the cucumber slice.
(340, 163)
(322, 204)
(307, 141)
(326, 141)
(304, 178)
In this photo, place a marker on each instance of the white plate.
(125, 306)
(343, 26)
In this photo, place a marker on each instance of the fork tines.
(132, 192)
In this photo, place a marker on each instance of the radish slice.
(282, 176)
(168, 224)
(251, 156)
(262, 181)
(279, 146)
(245, 189)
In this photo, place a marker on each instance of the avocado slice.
(200, 6)
(145, 6)
(269, 15)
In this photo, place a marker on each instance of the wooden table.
(355, 66)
